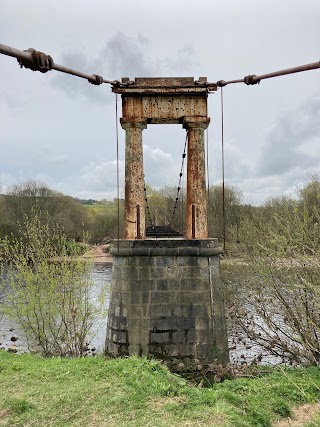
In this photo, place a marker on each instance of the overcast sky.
(60, 130)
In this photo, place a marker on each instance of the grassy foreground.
(139, 392)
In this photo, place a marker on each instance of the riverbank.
(139, 392)
(98, 254)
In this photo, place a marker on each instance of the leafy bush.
(49, 295)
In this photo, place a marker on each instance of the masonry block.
(183, 310)
(159, 297)
(159, 337)
(160, 311)
(119, 322)
(167, 324)
(168, 285)
(119, 337)
(179, 337)
(169, 303)
(164, 261)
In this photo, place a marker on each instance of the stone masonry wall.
(167, 300)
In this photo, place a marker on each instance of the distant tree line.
(76, 218)
(86, 201)
(242, 222)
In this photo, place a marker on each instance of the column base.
(167, 300)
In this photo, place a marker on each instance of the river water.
(242, 350)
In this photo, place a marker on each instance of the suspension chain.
(147, 206)
(178, 190)
(180, 180)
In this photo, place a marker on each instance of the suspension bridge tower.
(166, 295)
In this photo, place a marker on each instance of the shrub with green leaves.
(49, 294)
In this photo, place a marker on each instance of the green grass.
(315, 422)
(138, 392)
(97, 206)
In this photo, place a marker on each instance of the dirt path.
(300, 416)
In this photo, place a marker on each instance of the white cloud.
(102, 177)
(161, 169)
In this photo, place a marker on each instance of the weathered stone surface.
(192, 284)
(185, 310)
(169, 305)
(159, 337)
(119, 322)
(167, 285)
(162, 297)
(119, 337)
(137, 311)
(160, 311)
(179, 337)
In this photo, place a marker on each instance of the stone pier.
(166, 300)
(166, 296)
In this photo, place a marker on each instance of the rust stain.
(178, 100)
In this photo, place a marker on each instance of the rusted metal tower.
(165, 101)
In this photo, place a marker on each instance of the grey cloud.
(121, 56)
(126, 56)
(182, 61)
(284, 149)
(74, 86)
(257, 189)
(236, 164)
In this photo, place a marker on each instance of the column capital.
(133, 123)
(195, 122)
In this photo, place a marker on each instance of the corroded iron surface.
(134, 181)
(178, 100)
(196, 223)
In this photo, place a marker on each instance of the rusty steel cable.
(39, 61)
(253, 79)
(147, 205)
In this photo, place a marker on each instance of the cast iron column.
(134, 214)
(197, 223)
